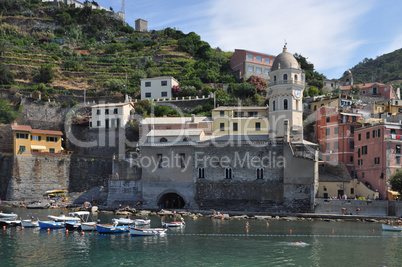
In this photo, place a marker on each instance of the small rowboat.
(396, 228)
(123, 221)
(10, 223)
(111, 229)
(29, 223)
(8, 216)
(141, 222)
(147, 232)
(51, 224)
(180, 223)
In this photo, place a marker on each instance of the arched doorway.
(171, 201)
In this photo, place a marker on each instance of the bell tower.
(285, 93)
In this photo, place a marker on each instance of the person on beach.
(357, 210)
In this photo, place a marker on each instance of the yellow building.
(240, 120)
(393, 106)
(28, 141)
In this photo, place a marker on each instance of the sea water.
(205, 242)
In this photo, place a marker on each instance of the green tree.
(312, 91)
(7, 113)
(396, 181)
(46, 74)
(245, 90)
(6, 76)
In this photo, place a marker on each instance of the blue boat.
(51, 224)
(111, 229)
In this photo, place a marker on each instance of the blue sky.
(334, 35)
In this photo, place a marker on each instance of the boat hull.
(386, 227)
(111, 229)
(29, 223)
(10, 223)
(88, 226)
(8, 216)
(51, 225)
(73, 226)
(141, 222)
(147, 232)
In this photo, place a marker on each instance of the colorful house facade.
(246, 63)
(28, 141)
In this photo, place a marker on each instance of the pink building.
(246, 63)
(374, 89)
(335, 135)
(377, 155)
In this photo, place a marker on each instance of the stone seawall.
(33, 175)
(6, 171)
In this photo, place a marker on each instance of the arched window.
(273, 105)
(285, 104)
(295, 77)
(163, 139)
(285, 77)
(301, 77)
(274, 78)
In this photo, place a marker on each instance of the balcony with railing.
(289, 81)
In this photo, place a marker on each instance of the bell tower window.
(295, 77)
(274, 78)
(285, 77)
(273, 105)
(285, 104)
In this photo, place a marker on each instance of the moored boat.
(142, 221)
(123, 221)
(180, 223)
(29, 223)
(51, 224)
(147, 231)
(387, 227)
(82, 223)
(63, 218)
(111, 228)
(8, 216)
(10, 222)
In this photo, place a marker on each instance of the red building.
(373, 89)
(378, 154)
(246, 63)
(335, 135)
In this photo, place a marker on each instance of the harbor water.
(205, 242)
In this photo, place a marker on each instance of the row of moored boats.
(80, 221)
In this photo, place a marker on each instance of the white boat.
(180, 223)
(8, 216)
(147, 231)
(396, 228)
(123, 221)
(63, 218)
(88, 226)
(142, 221)
(30, 223)
(83, 224)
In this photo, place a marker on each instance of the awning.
(393, 193)
(37, 147)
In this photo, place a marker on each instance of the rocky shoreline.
(228, 215)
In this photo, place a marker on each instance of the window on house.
(98, 123)
(393, 131)
(228, 173)
(285, 104)
(36, 138)
(259, 70)
(285, 77)
(182, 160)
(258, 58)
(352, 191)
(51, 150)
(147, 84)
(379, 133)
(250, 57)
(328, 119)
(351, 159)
(90, 124)
(398, 160)
(258, 126)
(163, 83)
(273, 105)
(266, 71)
(201, 173)
(267, 60)
(354, 119)
(98, 112)
(336, 145)
(325, 188)
(377, 160)
(22, 136)
(398, 149)
(51, 139)
(352, 144)
(336, 130)
(295, 77)
(22, 149)
(352, 129)
(148, 94)
(359, 137)
(315, 107)
(328, 131)
(328, 147)
(159, 157)
(107, 111)
(118, 123)
(364, 150)
(107, 123)
(235, 129)
(250, 68)
(260, 173)
(222, 113)
(362, 174)
(163, 140)
(358, 152)
(274, 78)
(252, 114)
(222, 126)
(163, 94)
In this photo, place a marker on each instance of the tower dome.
(285, 60)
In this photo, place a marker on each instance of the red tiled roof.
(46, 132)
(362, 86)
(24, 128)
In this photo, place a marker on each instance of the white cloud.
(322, 31)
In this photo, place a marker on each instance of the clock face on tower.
(298, 93)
